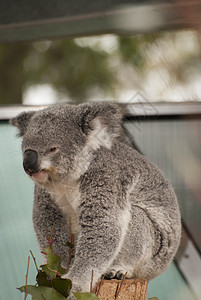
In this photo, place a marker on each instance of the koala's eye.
(53, 150)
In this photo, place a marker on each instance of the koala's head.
(57, 138)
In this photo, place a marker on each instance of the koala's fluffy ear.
(21, 121)
(98, 116)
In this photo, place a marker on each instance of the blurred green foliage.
(78, 71)
(131, 49)
(68, 67)
(12, 75)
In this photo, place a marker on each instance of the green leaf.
(154, 298)
(85, 296)
(41, 292)
(46, 269)
(43, 279)
(63, 286)
(53, 263)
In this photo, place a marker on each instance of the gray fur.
(124, 212)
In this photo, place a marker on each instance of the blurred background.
(143, 54)
(163, 66)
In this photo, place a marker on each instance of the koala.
(123, 211)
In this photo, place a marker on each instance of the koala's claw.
(119, 275)
(109, 275)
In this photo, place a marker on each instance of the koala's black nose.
(30, 162)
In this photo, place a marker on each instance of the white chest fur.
(67, 197)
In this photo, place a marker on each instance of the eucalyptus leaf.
(41, 292)
(85, 296)
(63, 286)
(47, 270)
(53, 263)
(43, 279)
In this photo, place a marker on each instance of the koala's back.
(152, 203)
(139, 178)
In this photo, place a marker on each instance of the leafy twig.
(70, 229)
(58, 275)
(47, 236)
(91, 283)
(70, 245)
(25, 296)
(99, 286)
(52, 231)
(70, 252)
(50, 240)
(34, 259)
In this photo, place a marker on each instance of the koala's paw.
(118, 272)
(113, 274)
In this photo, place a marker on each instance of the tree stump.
(128, 289)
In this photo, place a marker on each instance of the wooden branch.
(25, 295)
(131, 289)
